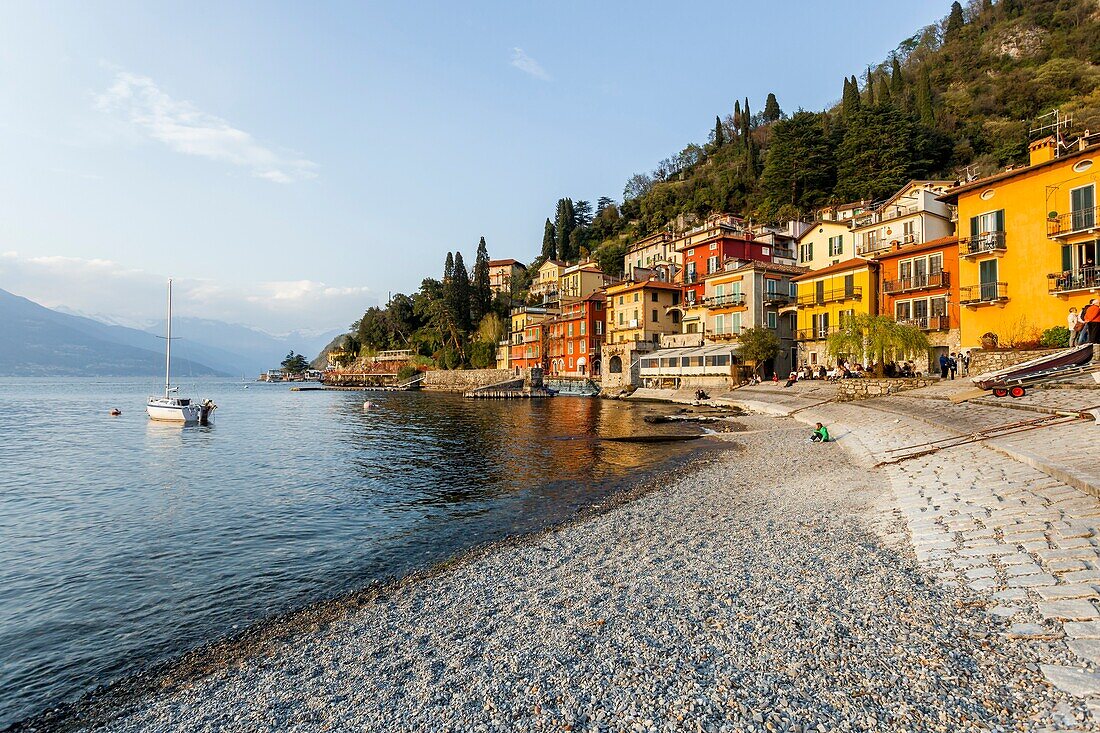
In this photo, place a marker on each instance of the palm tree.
(878, 337)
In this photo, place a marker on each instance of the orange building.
(575, 341)
(920, 287)
(529, 336)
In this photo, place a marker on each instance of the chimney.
(1042, 150)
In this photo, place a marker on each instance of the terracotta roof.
(624, 287)
(952, 195)
(852, 264)
(909, 249)
(502, 263)
(846, 224)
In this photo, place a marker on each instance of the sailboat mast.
(168, 346)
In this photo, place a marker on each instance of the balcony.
(1082, 278)
(813, 334)
(830, 296)
(918, 282)
(928, 323)
(773, 298)
(731, 300)
(1075, 222)
(983, 294)
(984, 243)
(863, 249)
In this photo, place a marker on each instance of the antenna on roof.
(1052, 123)
(971, 173)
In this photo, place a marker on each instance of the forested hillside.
(962, 92)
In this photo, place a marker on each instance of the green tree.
(294, 363)
(449, 267)
(549, 241)
(481, 294)
(955, 22)
(565, 222)
(772, 112)
(879, 338)
(924, 98)
(897, 81)
(719, 133)
(459, 300)
(800, 170)
(758, 345)
(850, 102)
(582, 214)
(875, 157)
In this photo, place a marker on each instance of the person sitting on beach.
(820, 434)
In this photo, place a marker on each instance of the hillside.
(37, 341)
(961, 94)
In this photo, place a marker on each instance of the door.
(849, 286)
(987, 277)
(920, 272)
(920, 313)
(1082, 204)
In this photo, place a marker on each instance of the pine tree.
(582, 214)
(481, 293)
(800, 169)
(772, 113)
(719, 133)
(602, 203)
(924, 98)
(549, 241)
(877, 154)
(459, 302)
(955, 22)
(897, 81)
(449, 267)
(564, 224)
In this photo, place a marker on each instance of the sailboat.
(171, 407)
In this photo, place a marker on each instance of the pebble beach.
(770, 587)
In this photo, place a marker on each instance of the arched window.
(615, 365)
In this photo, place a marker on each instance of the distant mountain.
(37, 341)
(241, 349)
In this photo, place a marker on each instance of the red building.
(575, 340)
(706, 247)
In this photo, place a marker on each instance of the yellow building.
(826, 297)
(1028, 240)
(825, 243)
(544, 284)
(577, 282)
(638, 314)
(657, 252)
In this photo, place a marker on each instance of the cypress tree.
(884, 96)
(549, 240)
(772, 112)
(564, 225)
(869, 91)
(449, 267)
(460, 295)
(955, 21)
(897, 81)
(719, 134)
(850, 100)
(737, 117)
(750, 146)
(924, 98)
(481, 295)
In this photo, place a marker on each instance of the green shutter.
(1067, 258)
(1000, 220)
(974, 230)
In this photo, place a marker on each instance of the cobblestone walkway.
(998, 517)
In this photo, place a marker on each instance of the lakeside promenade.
(782, 586)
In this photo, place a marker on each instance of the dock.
(513, 389)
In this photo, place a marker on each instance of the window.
(637, 297)
(581, 348)
(1082, 205)
(735, 323)
(599, 327)
(770, 286)
(806, 252)
(772, 319)
(635, 314)
(654, 298)
(620, 300)
(675, 317)
(836, 245)
(570, 362)
(991, 221)
(655, 318)
(621, 318)
(720, 323)
(849, 286)
(935, 263)
(937, 306)
(712, 264)
(794, 289)
(987, 278)
(570, 329)
(570, 347)
(583, 324)
(903, 311)
(908, 232)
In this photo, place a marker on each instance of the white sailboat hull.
(172, 411)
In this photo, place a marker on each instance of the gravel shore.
(772, 588)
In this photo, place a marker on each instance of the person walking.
(1091, 316)
(1074, 324)
(943, 366)
(966, 363)
(1083, 332)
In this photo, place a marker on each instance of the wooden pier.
(508, 394)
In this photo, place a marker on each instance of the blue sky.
(291, 163)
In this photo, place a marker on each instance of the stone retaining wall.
(464, 380)
(982, 361)
(862, 389)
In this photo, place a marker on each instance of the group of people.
(952, 362)
(1084, 327)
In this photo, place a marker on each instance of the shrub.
(406, 373)
(1057, 336)
(483, 354)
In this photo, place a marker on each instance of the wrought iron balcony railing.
(917, 282)
(983, 243)
(730, 300)
(1082, 220)
(983, 293)
(814, 334)
(928, 323)
(831, 296)
(1081, 278)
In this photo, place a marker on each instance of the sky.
(291, 164)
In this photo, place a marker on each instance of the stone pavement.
(1009, 518)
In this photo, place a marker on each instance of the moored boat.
(171, 407)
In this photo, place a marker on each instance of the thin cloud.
(186, 129)
(528, 65)
(129, 295)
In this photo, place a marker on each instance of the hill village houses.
(1004, 255)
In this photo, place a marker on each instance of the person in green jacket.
(820, 434)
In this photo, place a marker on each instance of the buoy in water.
(115, 412)
(367, 405)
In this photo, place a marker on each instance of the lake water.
(125, 542)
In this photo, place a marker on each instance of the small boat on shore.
(171, 407)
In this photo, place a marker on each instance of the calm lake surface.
(125, 542)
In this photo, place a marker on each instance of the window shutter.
(1067, 257)
(1000, 220)
(974, 227)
